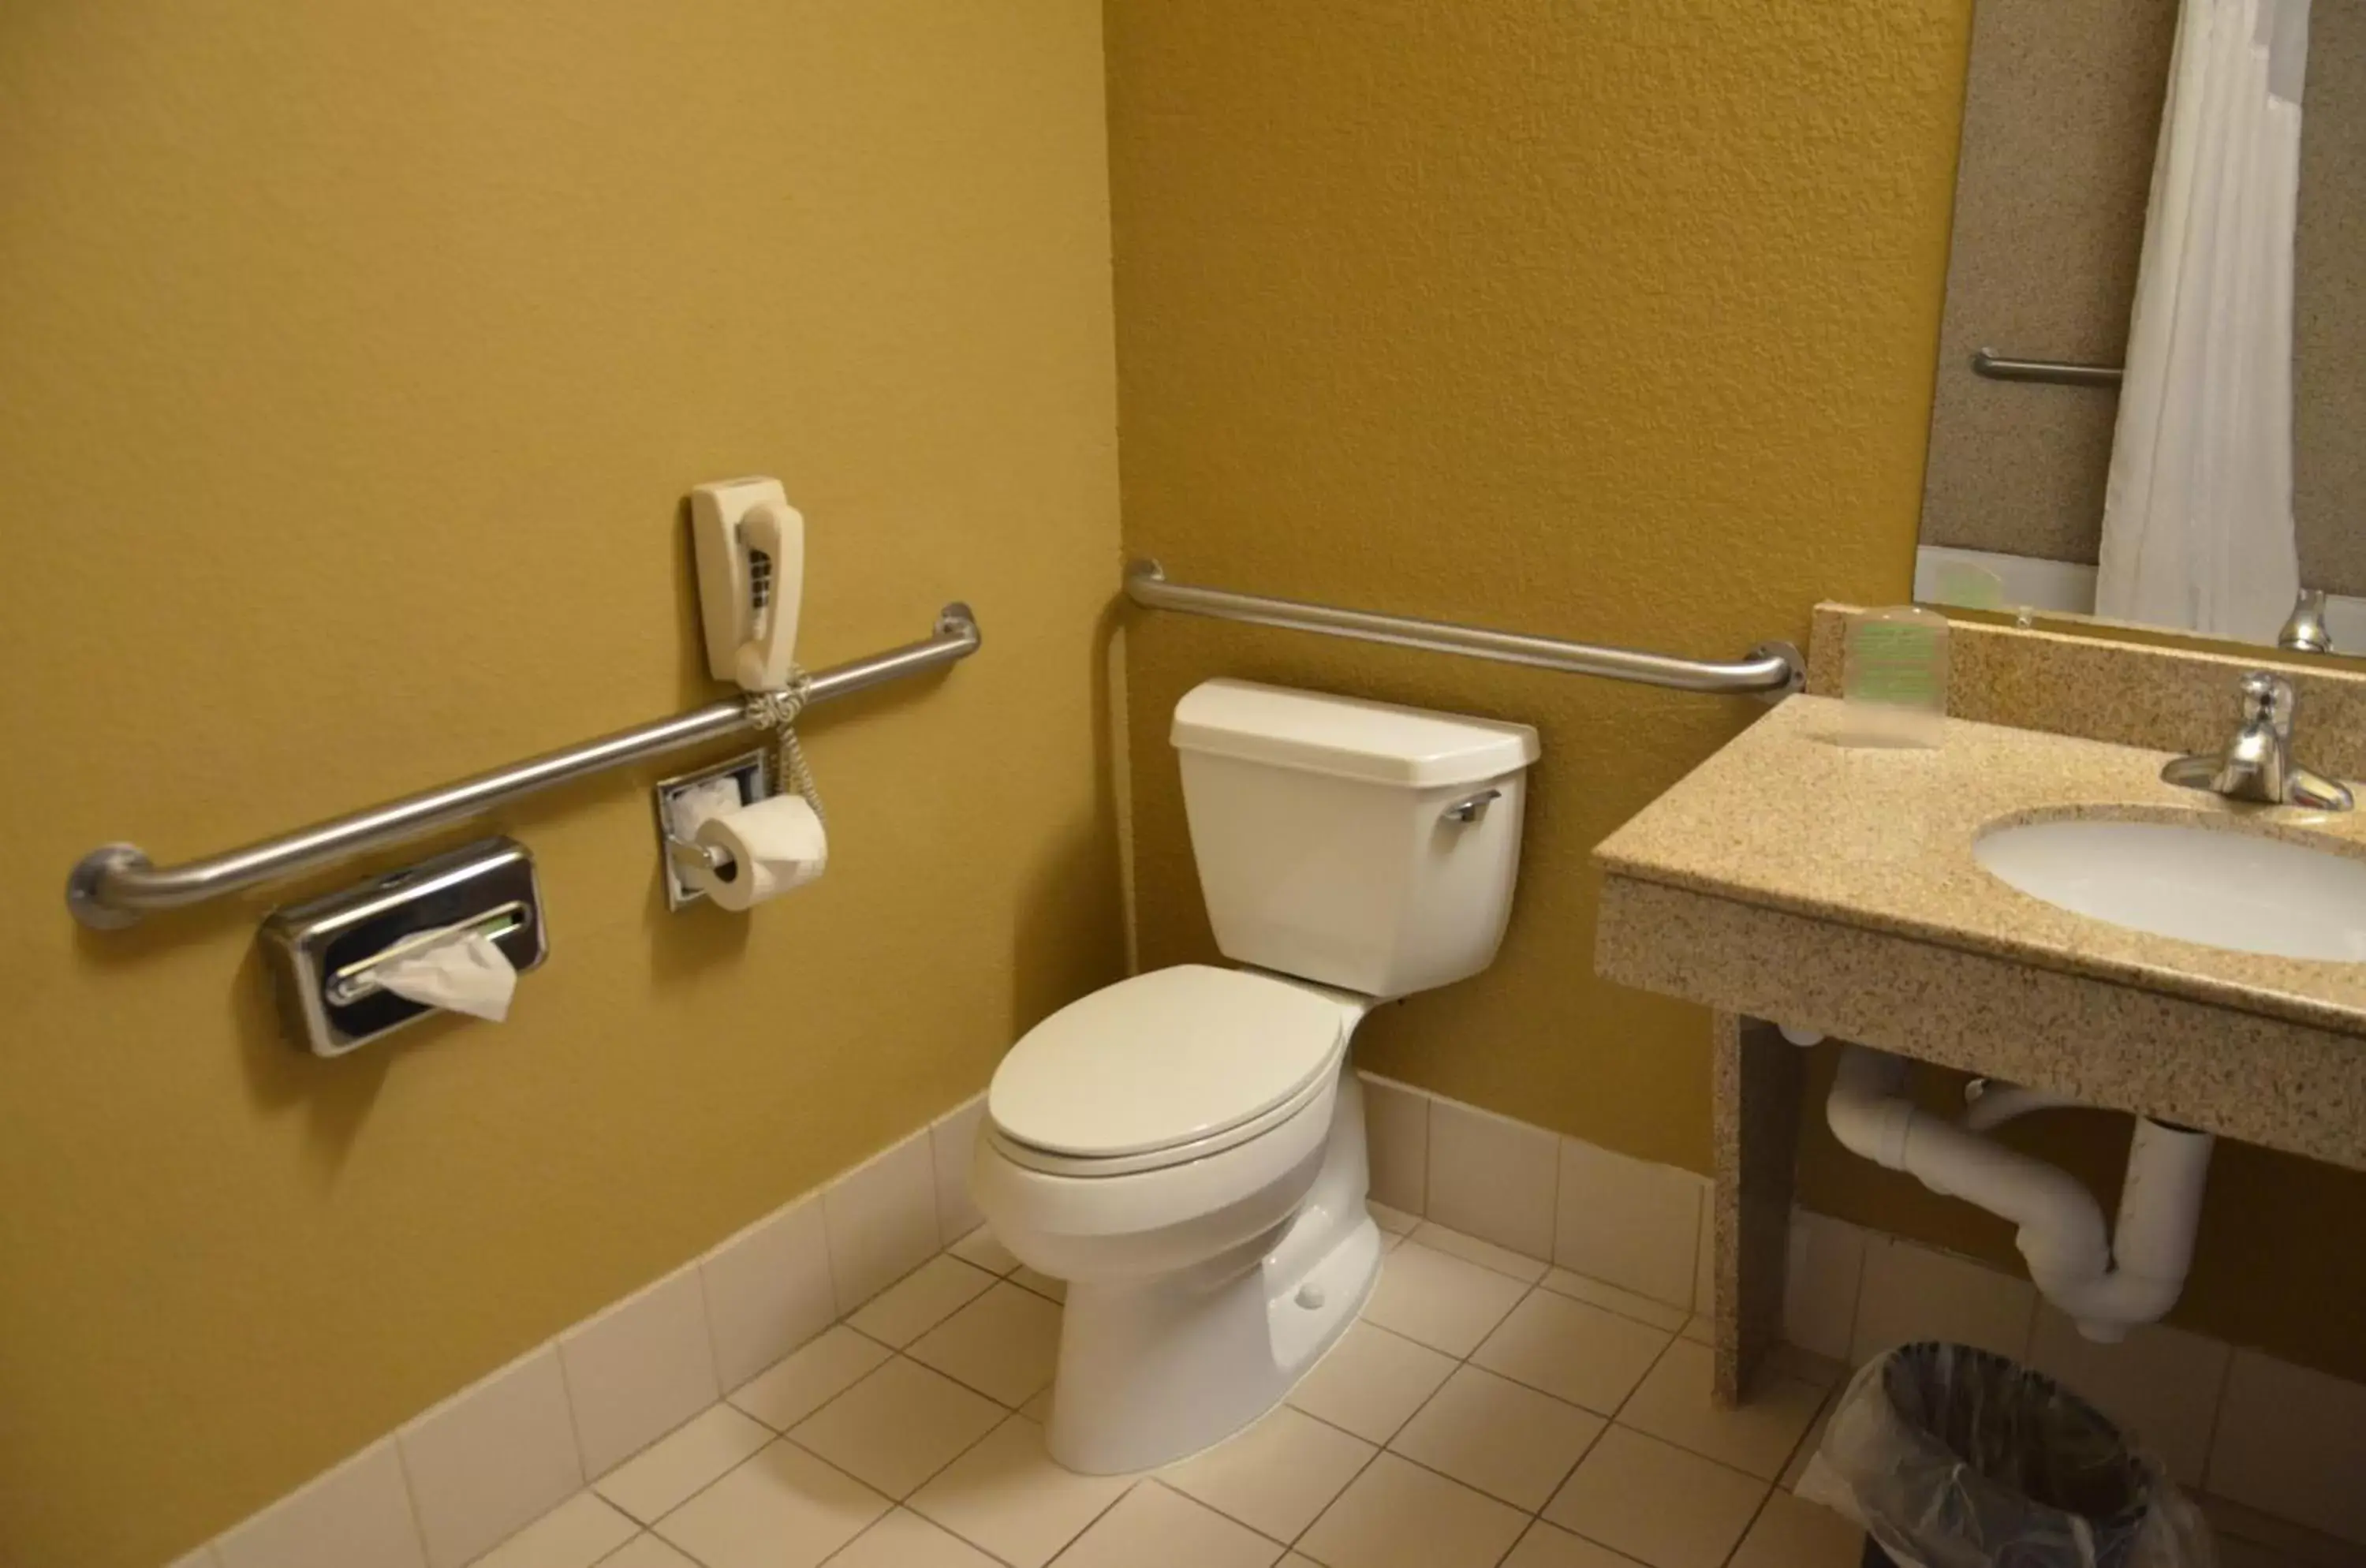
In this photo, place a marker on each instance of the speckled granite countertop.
(1786, 818)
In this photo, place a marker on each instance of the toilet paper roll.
(774, 845)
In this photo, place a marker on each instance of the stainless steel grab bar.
(1770, 669)
(115, 885)
(1994, 366)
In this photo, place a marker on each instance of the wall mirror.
(2151, 398)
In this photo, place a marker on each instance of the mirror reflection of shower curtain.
(2198, 514)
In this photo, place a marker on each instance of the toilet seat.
(1050, 1164)
(1163, 1068)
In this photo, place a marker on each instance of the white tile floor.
(1486, 1411)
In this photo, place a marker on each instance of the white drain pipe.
(2059, 1228)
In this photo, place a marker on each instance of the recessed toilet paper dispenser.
(335, 960)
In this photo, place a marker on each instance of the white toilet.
(1187, 1147)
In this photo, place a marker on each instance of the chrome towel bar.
(1994, 366)
(116, 885)
(1770, 669)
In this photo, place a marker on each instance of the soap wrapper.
(1894, 679)
(459, 970)
(774, 846)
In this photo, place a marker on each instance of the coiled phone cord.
(777, 711)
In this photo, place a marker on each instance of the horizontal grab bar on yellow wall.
(1769, 670)
(116, 885)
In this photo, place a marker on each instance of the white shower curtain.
(2198, 514)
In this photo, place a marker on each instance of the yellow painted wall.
(356, 358)
(1613, 322)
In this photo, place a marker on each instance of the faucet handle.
(2268, 699)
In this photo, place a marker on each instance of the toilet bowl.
(1186, 1148)
(1227, 1247)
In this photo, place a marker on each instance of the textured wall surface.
(2329, 306)
(1612, 322)
(359, 356)
(2061, 109)
(2061, 118)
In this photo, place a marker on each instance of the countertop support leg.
(1756, 1083)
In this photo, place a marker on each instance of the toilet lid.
(1165, 1058)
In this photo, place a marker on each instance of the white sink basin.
(2212, 885)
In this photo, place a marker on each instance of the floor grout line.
(1333, 1502)
(1531, 1517)
(1615, 1421)
(1608, 1420)
(1379, 1448)
(1533, 1285)
(1069, 1545)
(783, 1435)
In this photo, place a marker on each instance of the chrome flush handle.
(1472, 808)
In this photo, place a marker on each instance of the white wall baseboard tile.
(358, 1516)
(2292, 1442)
(1628, 1222)
(768, 1290)
(1917, 1292)
(1396, 1133)
(1492, 1178)
(2161, 1383)
(582, 1531)
(1821, 1282)
(467, 1475)
(953, 1142)
(639, 1369)
(491, 1459)
(470, 1472)
(881, 1219)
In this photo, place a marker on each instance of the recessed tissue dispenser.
(336, 959)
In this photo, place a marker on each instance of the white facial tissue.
(694, 806)
(464, 971)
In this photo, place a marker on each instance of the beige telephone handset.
(751, 549)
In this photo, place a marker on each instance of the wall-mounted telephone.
(751, 547)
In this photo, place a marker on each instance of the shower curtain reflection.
(2198, 514)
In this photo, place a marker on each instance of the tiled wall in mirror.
(2160, 227)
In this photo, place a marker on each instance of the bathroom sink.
(2213, 885)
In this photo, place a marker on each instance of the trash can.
(1952, 1457)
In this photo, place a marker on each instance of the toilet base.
(1153, 1371)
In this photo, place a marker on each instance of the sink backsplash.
(2132, 694)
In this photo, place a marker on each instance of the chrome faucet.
(2256, 765)
(2305, 631)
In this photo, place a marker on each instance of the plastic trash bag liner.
(1951, 1457)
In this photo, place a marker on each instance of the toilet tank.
(1325, 847)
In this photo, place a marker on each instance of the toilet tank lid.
(1347, 737)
